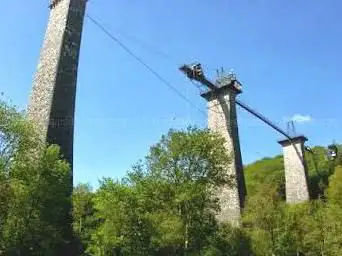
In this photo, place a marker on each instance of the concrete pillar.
(222, 119)
(296, 179)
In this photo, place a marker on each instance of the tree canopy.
(165, 205)
(33, 181)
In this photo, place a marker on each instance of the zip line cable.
(140, 42)
(156, 74)
(171, 87)
(147, 47)
(137, 58)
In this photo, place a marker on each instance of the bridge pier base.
(296, 176)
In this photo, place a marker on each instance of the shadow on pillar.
(230, 114)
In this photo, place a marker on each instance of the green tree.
(296, 226)
(333, 218)
(194, 162)
(33, 184)
(37, 206)
(266, 171)
(262, 220)
(319, 169)
(166, 205)
(84, 220)
(123, 228)
(338, 161)
(228, 240)
(334, 192)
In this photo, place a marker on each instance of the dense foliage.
(158, 210)
(33, 181)
(165, 205)
(305, 229)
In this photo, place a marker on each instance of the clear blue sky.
(287, 54)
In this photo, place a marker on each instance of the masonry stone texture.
(222, 119)
(296, 177)
(52, 102)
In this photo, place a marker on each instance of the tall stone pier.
(52, 102)
(296, 178)
(223, 120)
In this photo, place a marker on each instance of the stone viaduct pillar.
(52, 102)
(222, 119)
(296, 179)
